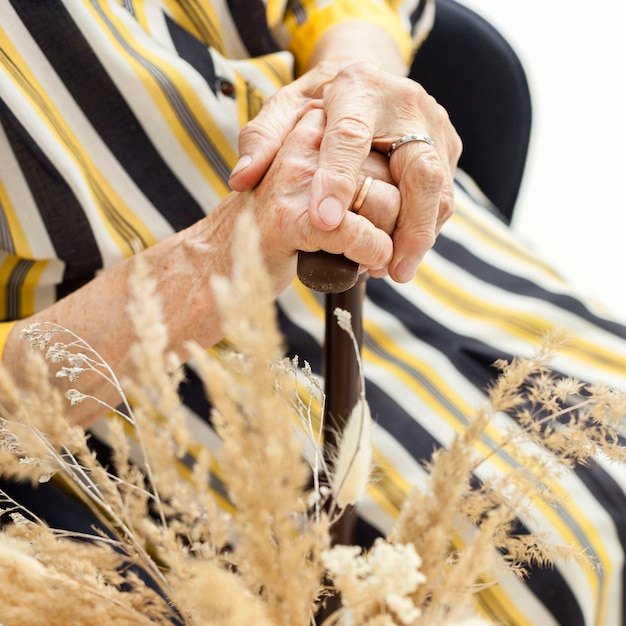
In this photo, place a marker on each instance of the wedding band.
(406, 139)
(359, 196)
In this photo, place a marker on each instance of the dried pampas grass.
(269, 561)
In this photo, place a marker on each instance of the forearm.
(182, 265)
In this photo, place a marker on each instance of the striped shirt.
(118, 127)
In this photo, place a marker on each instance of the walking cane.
(338, 279)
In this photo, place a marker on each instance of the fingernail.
(330, 211)
(243, 162)
(406, 270)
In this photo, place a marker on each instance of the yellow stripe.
(186, 473)
(274, 68)
(274, 11)
(494, 603)
(389, 488)
(5, 329)
(523, 325)
(316, 308)
(187, 92)
(198, 18)
(31, 278)
(6, 268)
(139, 13)
(502, 244)
(249, 100)
(498, 606)
(29, 286)
(410, 361)
(305, 35)
(128, 232)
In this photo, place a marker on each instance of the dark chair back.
(468, 66)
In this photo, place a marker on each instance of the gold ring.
(359, 196)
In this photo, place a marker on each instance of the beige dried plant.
(556, 423)
(278, 544)
(269, 563)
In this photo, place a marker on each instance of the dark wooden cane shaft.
(337, 277)
(342, 383)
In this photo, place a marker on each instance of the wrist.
(359, 41)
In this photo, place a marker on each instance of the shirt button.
(227, 88)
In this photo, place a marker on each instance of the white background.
(572, 206)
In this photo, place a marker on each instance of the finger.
(345, 147)
(381, 205)
(377, 166)
(423, 178)
(358, 239)
(281, 197)
(261, 139)
(446, 205)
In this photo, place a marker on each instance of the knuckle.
(310, 136)
(256, 132)
(350, 129)
(446, 212)
(457, 145)
(367, 245)
(359, 71)
(446, 206)
(422, 240)
(428, 171)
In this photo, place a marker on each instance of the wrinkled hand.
(366, 110)
(281, 204)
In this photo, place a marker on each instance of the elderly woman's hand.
(366, 109)
(281, 203)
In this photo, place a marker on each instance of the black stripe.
(6, 236)
(463, 258)
(194, 52)
(556, 595)
(94, 92)
(251, 22)
(14, 289)
(62, 214)
(417, 13)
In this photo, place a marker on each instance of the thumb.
(260, 140)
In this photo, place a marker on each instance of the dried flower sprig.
(353, 463)
(377, 583)
(556, 422)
